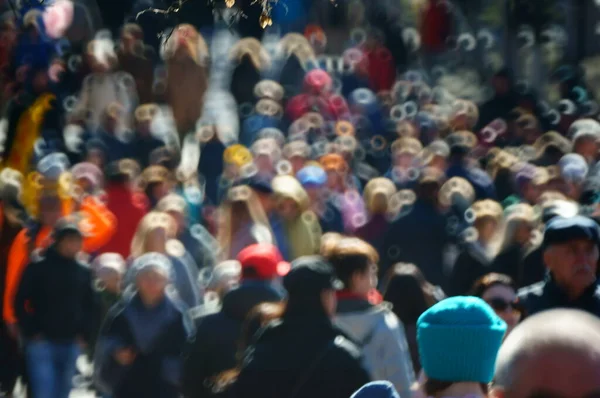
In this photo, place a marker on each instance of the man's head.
(571, 252)
(68, 239)
(554, 354)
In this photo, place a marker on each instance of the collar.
(561, 297)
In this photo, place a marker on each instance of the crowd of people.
(297, 199)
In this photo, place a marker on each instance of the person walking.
(303, 354)
(57, 310)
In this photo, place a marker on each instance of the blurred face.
(364, 282)
(438, 162)
(95, 157)
(531, 192)
(85, 184)
(266, 201)
(288, 209)
(111, 282)
(151, 286)
(143, 128)
(486, 228)
(179, 219)
(156, 240)
(404, 160)
(501, 85)
(523, 233)
(264, 164)
(70, 245)
(159, 190)
(329, 301)
(335, 181)
(573, 265)
(555, 373)
(297, 163)
(588, 148)
(502, 299)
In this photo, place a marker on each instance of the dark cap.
(258, 184)
(64, 227)
(311, 275)
(564, 229)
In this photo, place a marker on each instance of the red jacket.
(129, 208)
(436, 26)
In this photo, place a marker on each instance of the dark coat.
(56, 300)
(419, 238)
(301, 357)
(217, 335)
(534, 269)
(469, 266)
(510, 262)
(548, 295)
(155, 372)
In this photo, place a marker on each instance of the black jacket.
(56, 299)
(469, 266)
(217, 336)
(548, 295)
(301, 357)
(510, 262)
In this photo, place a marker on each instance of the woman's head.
(153, 232)
(355, 263)
(152, 273)
(469, 334)
(499, 291)
(487, 221)
(407, 290)
(311, 286)
(519, 226)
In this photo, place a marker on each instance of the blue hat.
(459, 339)
(312, 176)
(563, 229)
(377, 389)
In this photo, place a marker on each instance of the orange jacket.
(98, 225)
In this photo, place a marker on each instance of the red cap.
(265, 259)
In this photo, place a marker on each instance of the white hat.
(109, 262)
(152, 261)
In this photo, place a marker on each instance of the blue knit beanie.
(377, 389)
(459, 339)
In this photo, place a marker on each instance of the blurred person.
(314, 179)
(109, 271)
(499, 291)
(242, 222)
(586, 142)
(419, 235)
(529, 184)
(404, 161)
(297, 152)
(503, 101)
(410, 295)
(264, 192)
(157, 182)
(554, 353)
(266, 154)
(144, 142)
(156, 233)
(301, 225)
(108, 134)
(142, 340)
(11, 222)
(377, 196)
(436, 155)
(480, 247)
(459, 164)
(214, 349)
(128, 205)
(552, 204)
(57, 311)
(303, 354)
(343, 189)
(204, 248)
(89, 178)
(573, 171)
(570, 253)
(469, 334)
(374, 327)
(550, 147)
(518, 238)
(224, 277)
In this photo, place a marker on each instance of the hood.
(286, 186)
(358, 318)
(238, 302)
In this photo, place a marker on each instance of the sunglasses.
(501, 305)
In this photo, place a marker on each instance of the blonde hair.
(516, 215)
(252, 48)
(151, 222)
(240, 194)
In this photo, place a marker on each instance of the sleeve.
(24, 296)
(17, 258)
(107, 372)
(394, 362)
(92, 306)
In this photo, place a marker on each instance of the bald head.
(553, 354)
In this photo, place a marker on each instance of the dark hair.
(433, 387)
(260, 316)
(407, 290)
(492, 279)
(349, 256)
